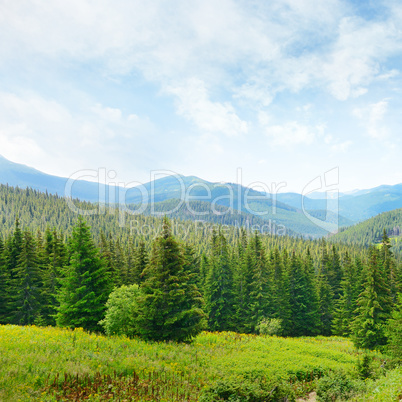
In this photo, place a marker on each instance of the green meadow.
(57, 364)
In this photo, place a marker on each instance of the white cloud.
(372, 117)
(341, 146)
(43, 133)
(290, 134)
(171, 43)
(195, 105)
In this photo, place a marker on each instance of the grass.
(51, 363)
(385, 389)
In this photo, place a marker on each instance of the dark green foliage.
(85, 286)
(364, 368)
(371, 231)
(394, 331)
(219, 287)
(243, 390)
(171, 308)
(280, 294)
(244, 277)
(139, 264)
(325, 298)
(26, 283)
(4, 286)
(337, 387)
(55, 260)
(350, 290)
(374, 306)
(303, 300)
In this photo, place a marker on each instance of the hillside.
(370, 231)
(38, 211)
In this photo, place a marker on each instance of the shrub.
(338, 386)
(270, 326)
(236, 390)
(364, 367)
(122, 311)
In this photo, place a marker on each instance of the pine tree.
(56, 259)
(27, 283)
(219, 287)
(346, 305)
(4, 286)
(303, 301)
(243, 279)
(374, 306)
(140, 263)
(171, 308)
(394, 330)
(281, 296)
(260, 290)
(85, 286)
(389, 266)
(325, 297)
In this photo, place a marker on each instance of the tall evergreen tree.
(303, 301)
(346, 305)
(27, 283)
(171, 308)
(4, 286)
(281, 296)
(55, 261)
(374, 306)
(219, 287)
(85, 286)
(260, 289)
(140, 263)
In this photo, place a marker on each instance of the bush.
(338, 387)
(364, 367)
(122, 311)
(270, 326)
(237, 390)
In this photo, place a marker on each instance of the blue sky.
(285, 90)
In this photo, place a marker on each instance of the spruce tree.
(346, 305)
(303, 300)
(85, 286)
(27, 283)
(140, 263)
(394, 330)
(4, 286)
(325, 297)
(374, 306)
(260, 289)
(56, 259)
(172, 306)
(219, 287)
(281, 296)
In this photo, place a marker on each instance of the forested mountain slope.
(38, 211)
(281, 209)
(371, 230)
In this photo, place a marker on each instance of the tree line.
(179, 288)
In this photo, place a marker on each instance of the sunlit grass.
(32, 358)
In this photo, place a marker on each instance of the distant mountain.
(306, 216)
(370, 231)
(18, 175)
(356, 206)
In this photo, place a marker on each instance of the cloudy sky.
(283, 89)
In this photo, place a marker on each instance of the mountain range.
(175, 195)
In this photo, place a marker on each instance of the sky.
(284, 90)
